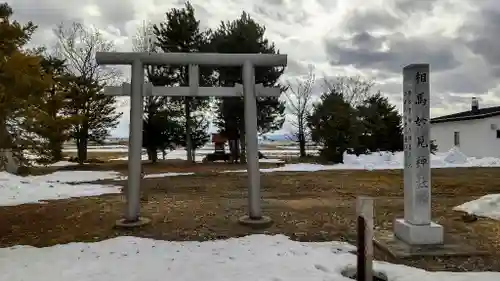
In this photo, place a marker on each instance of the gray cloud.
(296, 68)
(464, 80)
(387, 17)
(48, 13)
(362, 50)
(328, 5)
(44, 14)
(412, 6)
(116, 13)
(270, 13)
(281, 11)
(480, 35)
(373, 40)
(370, 20)
(275, 2)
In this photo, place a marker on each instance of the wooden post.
(364, 212)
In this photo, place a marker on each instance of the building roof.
(468, 115)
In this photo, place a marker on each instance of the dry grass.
(305, 206)
(162, 166)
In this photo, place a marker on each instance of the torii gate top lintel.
(127, 58)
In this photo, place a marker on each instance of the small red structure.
(219, 154)
(219, 142)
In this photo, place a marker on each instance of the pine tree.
(22, 83)
(333, 124)
(244, 35)
(51, 122)
(199, 135)
(162, 130)
(180, 32)
(94, 114)
(381, 125)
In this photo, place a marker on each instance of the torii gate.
(138, 60)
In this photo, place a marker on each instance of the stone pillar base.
(262, 222)
(141, 221)
(431, 234)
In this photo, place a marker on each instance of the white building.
(475, 132)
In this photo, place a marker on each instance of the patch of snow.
(180, 154)
(455, 156)
(16, 190)
(162, 175)
(98, 149)
(255, 257)
(270, 160)
(63, 164)
(296, 147)
(487, 206)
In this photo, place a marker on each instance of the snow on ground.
(271, 160)
(486, 206)
(375, 161)
(455, 156)
(385, 161)
(296, 147)
(255, 257)
(72, 176)
(16, 190)
(162, 175)
(102, 148)
(63, 164)
(180, 154)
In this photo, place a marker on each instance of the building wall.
(477, 138)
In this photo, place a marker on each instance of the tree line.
(51, 95)
(349, 117)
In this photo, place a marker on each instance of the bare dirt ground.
(316, 206)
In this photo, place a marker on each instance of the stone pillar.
(251, 141)
(416, 228)
(135, 144)
(254, 216)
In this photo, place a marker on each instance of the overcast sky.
(374, 38)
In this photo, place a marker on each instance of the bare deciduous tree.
(94, 113)
(355, 89)
(299, 102)
(78, 44)
(144, 38)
